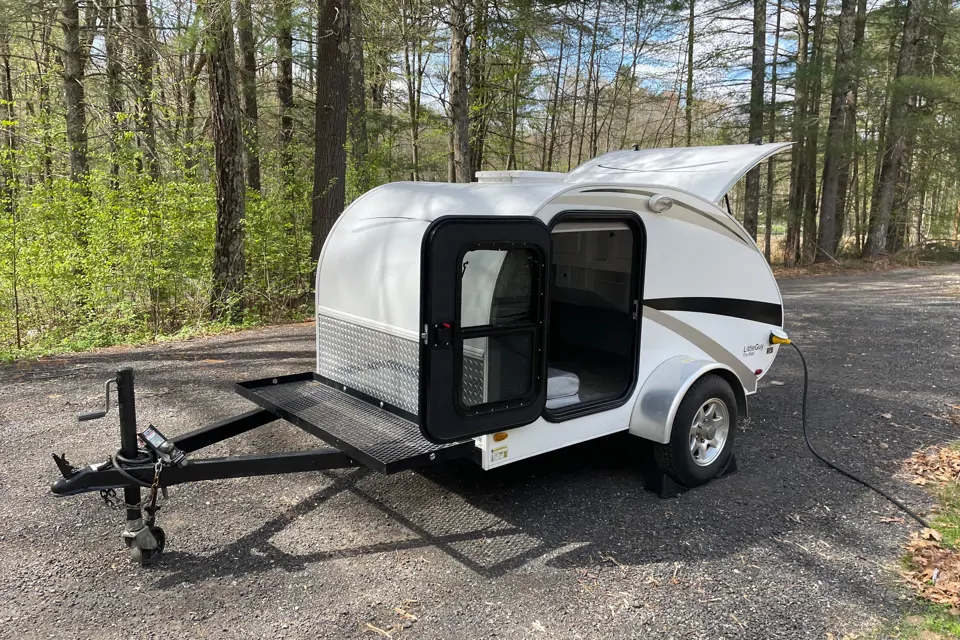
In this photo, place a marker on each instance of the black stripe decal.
(765, 312)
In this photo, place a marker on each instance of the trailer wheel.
(701, 440)
(145, 557)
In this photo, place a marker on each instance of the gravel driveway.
(567, 545)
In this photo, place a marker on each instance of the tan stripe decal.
(706, 344)
(723, 221)
(634, 203)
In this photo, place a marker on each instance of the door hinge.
(636, 309)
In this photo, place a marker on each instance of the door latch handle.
(442, 335)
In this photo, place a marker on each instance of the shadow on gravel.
(875, 376)
(585, 505)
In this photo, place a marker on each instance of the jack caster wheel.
(145, 557)
(701, 440)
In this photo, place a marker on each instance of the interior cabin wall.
(591, 327)
(590, 290)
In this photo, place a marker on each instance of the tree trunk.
(515, 102)
(590, 81)
(849, 135)
(73, 89)
(758, 72)
(248, 84)
(190, 124)
(576, 86)
(284, 11)
(43, 91)
(791, 250)
(632, 83)
(556, 100)
(8, 175)
(113, 18)
(808, 170)
(146, 124)
(333, 82)
(459, 98)
(768, 214)
(479, 94)
(688, 106)
(356, 97)
(857, 207)
(837, 153)
(228, 258)
(413, 77)
(897, 134)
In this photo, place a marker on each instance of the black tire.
(675, 458)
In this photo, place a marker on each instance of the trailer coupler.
(161, 463)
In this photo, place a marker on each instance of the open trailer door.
(483, 293)
(708, 172)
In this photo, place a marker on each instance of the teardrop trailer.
(499, 320)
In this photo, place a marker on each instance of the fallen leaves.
(931, 534)
(939, 465)
(935, 571)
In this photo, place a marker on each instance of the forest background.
(173, 166)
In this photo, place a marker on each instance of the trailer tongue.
(358, 431)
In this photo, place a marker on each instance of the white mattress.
(563, 388)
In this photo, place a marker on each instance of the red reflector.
(758, 371)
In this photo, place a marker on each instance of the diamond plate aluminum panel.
(473, 381)
(376, 363)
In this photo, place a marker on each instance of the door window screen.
(499, 307)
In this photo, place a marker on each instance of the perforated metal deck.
(376, 437)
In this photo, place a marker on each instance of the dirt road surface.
(568, 545)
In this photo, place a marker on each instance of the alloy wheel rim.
(709, 431)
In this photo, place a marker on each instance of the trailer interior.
(592, 327)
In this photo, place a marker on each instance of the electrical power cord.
(849, 474)
(118, 460)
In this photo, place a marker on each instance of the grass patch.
(931, 565)
(947, 521)
(95, 337)
(932, 622)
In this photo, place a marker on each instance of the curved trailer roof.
(375, 245)
(708, 172)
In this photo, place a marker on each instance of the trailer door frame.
(503, 347)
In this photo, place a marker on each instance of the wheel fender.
(661, 394)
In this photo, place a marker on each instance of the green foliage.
(947, 520)
(95, 265)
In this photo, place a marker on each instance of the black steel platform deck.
(376, 437)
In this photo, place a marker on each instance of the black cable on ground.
(849, 474)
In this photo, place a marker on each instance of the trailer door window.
(499, 350)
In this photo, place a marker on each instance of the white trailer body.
(504, 310)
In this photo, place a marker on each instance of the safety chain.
(152, 509)
(112, 500)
